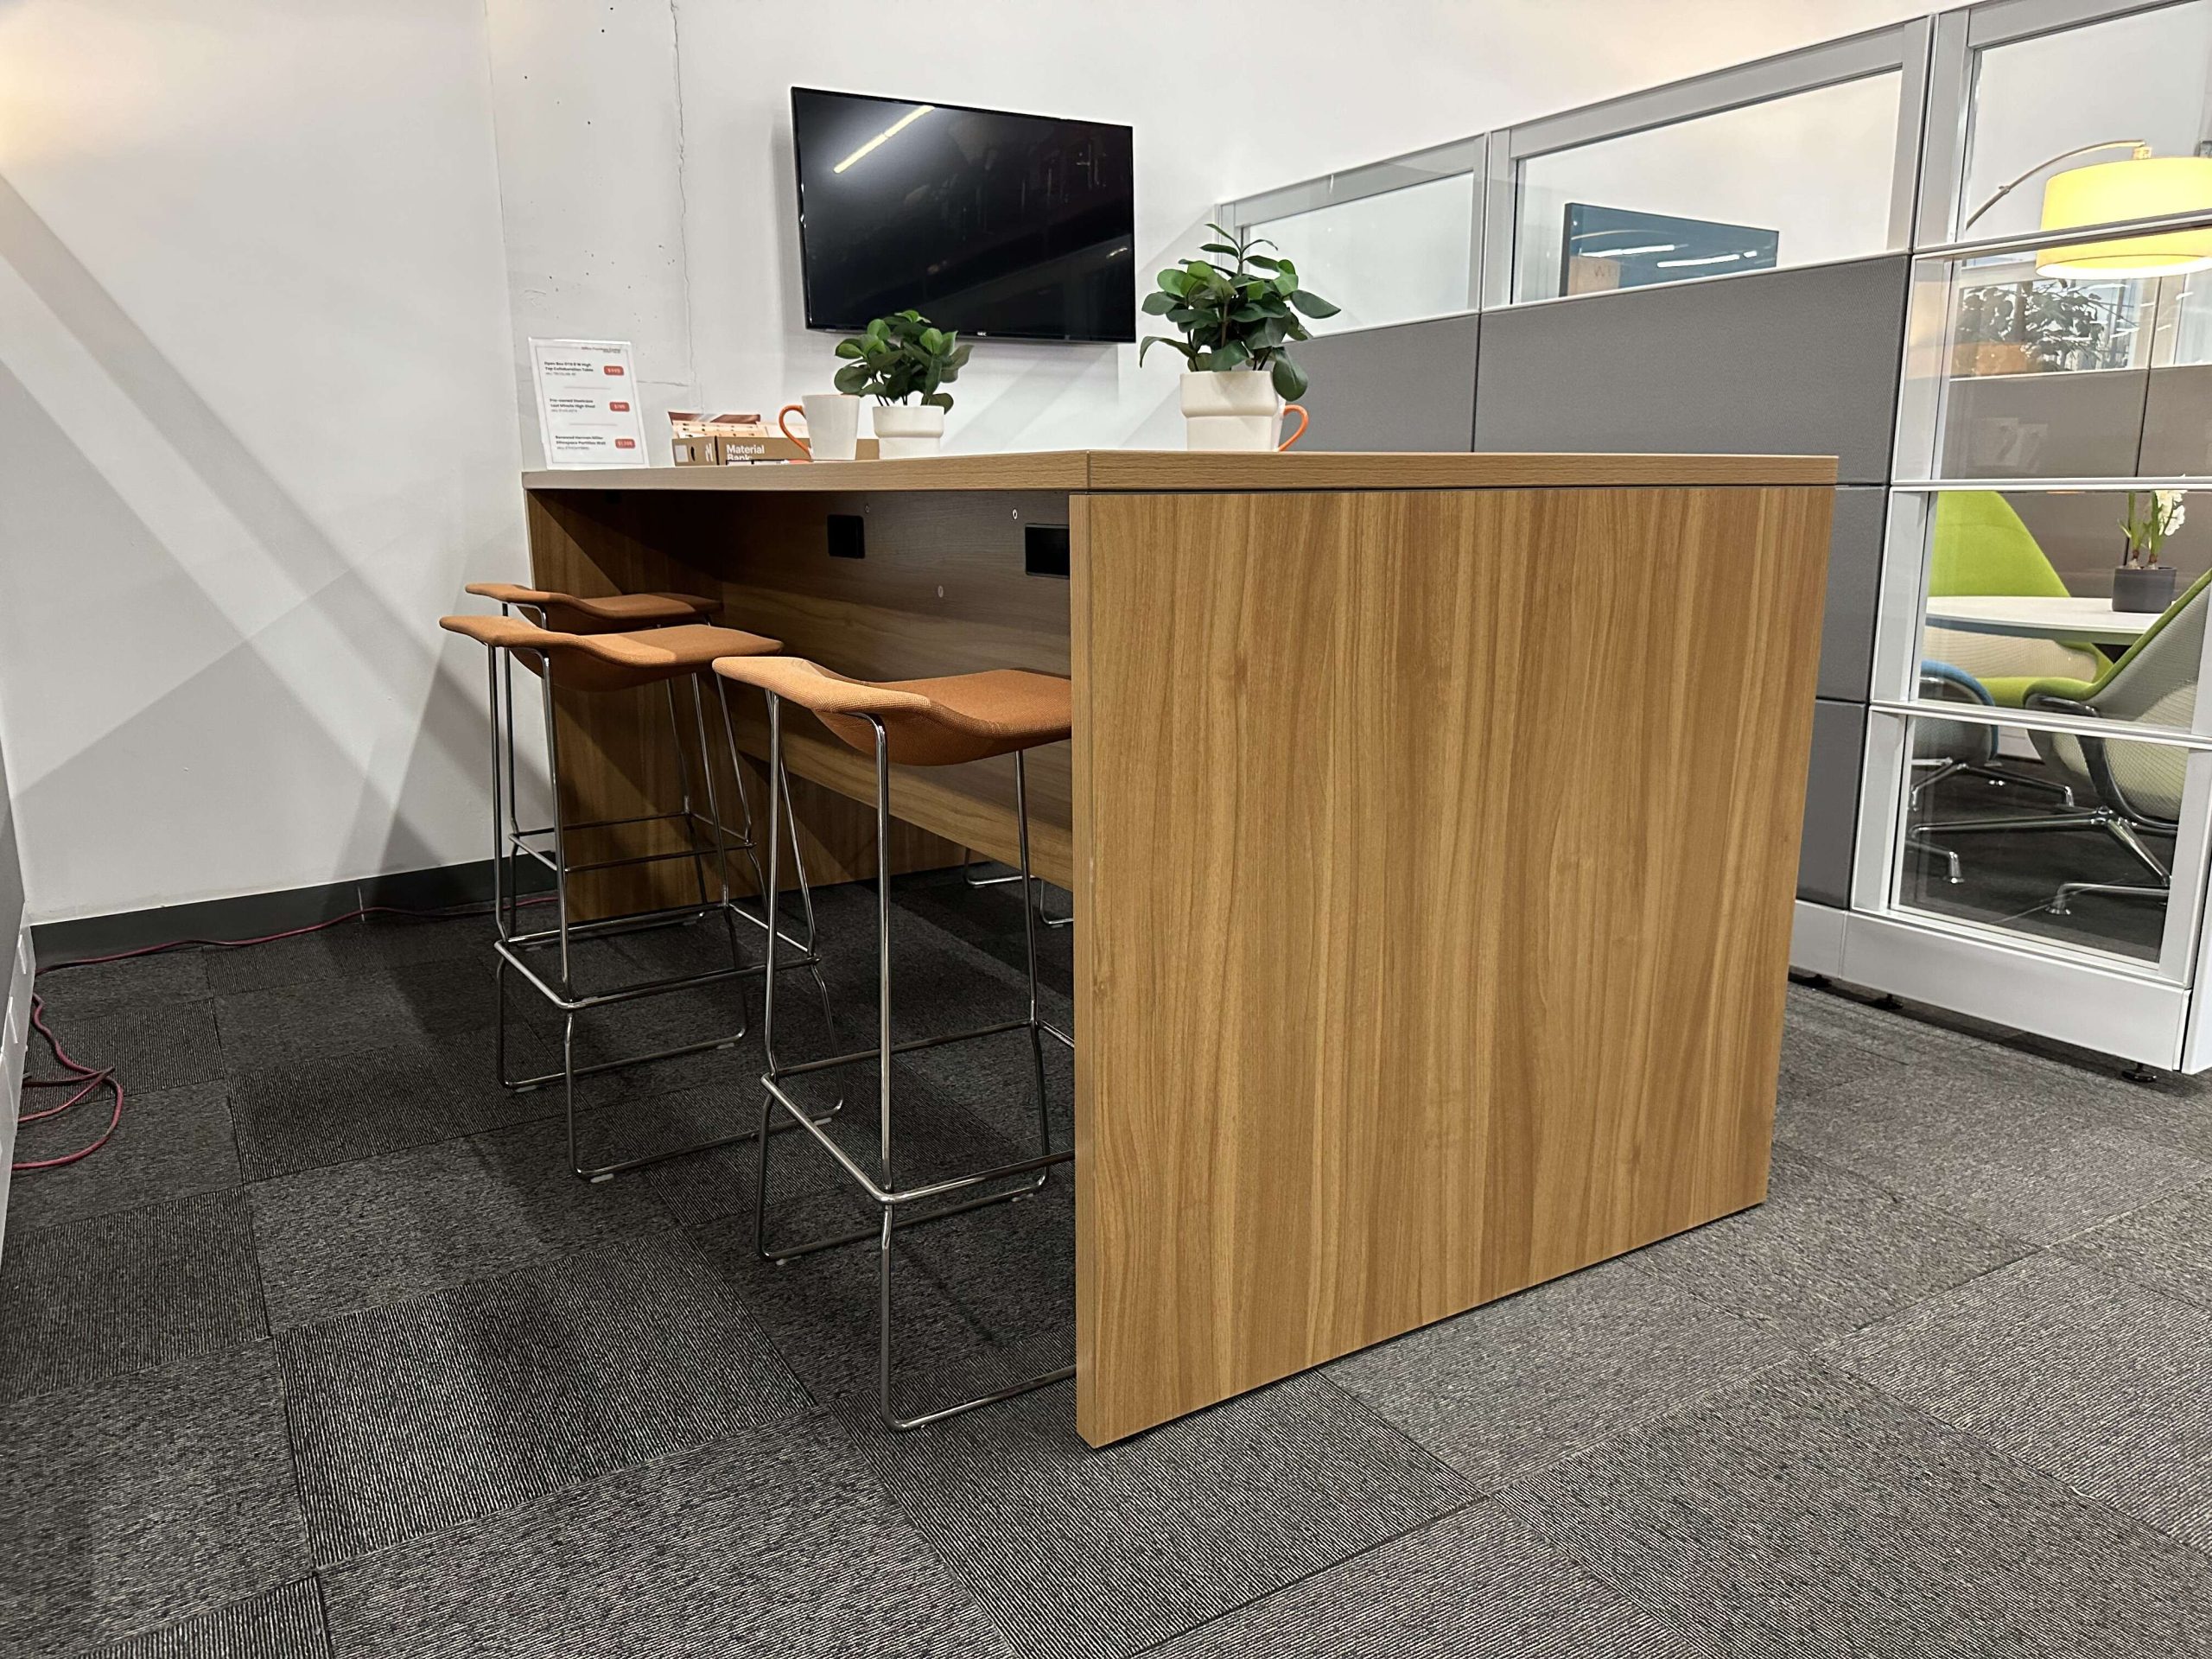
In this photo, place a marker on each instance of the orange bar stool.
(605, 662)
(938, 723)
(615, 614)
(569, 614)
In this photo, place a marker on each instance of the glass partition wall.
(1395, 242)
(2034, 805)
(2037, 783)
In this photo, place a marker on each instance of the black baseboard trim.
(253, 915)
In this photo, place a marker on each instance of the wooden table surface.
(1433, 902)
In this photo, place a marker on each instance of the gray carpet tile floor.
(1477, 1582)
(144, 1501)
(326, 1354)
(284, 1623)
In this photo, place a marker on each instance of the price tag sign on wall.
(587, 402)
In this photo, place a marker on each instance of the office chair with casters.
(1980, 546)
(2139, 784)
(2136, 787)
(1944, 749)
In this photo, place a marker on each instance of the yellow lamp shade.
(2149, 187)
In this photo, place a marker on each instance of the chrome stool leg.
(881, 1186)
(513, 945)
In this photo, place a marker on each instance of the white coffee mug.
(833, 425)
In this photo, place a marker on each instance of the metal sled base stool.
(604, 661)
(913, 722)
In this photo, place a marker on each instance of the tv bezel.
(798, 188)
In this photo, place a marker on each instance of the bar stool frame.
(881, 1186)
(512, 843)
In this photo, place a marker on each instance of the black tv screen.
(1018, 227)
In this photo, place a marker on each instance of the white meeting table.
(2036, 617)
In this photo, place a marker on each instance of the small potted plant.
(904, 361)
(1236, 320)
(2141, 584)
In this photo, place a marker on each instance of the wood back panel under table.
(942, 590)
(1435, 857)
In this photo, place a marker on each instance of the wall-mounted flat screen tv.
(1017, 226)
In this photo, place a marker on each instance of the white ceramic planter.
(904, 430)
(1238, 409)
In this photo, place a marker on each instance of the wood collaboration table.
(1432, 821)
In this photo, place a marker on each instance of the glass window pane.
(2045, 374)
(2053, 836)
(2036, 375)
(2028, 600)
(1790, 181)
(2141, 77)
(1393, 258)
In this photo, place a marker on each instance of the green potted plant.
(2141, 584)
(1234, 322)
(904, 361)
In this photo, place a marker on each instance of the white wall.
(256, 422)
(265, 267)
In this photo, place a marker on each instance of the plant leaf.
(938, 400)
(1289, 379)
(848, 348)
(1231, 356)
(851, 378)
(1286, 282)
(1155, 305)
(1312, 304)
(1217, 247)
(1261, 261)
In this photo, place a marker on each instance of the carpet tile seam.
(1359, 1554)
(2203, 1186)
(2103, 1506)
(1528, 1507)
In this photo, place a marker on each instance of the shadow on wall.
(272, 710)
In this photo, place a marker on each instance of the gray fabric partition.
(1410, 387)
(1831, 802)
(1854, 587)
(1802, 362)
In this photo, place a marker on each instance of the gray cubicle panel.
(2085, 424)
(1778, 362)
(1409, 386)
(1831, 802)
(1854, 584)
(2178, 423)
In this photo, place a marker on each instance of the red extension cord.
(88, 1079)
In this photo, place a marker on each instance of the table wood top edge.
(1170, 470)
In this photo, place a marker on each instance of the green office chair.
(1981, 547)
(2137, 786)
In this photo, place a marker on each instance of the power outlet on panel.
(848, 536)
(1045, 550)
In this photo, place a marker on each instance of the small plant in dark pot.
(904, 361)
(2142, 584)
(1236, 320)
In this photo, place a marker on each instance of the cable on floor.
(89, 1080)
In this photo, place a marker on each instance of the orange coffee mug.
(1299, 434)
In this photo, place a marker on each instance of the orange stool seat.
(940, 723)
(616, 614)
(612, 662)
